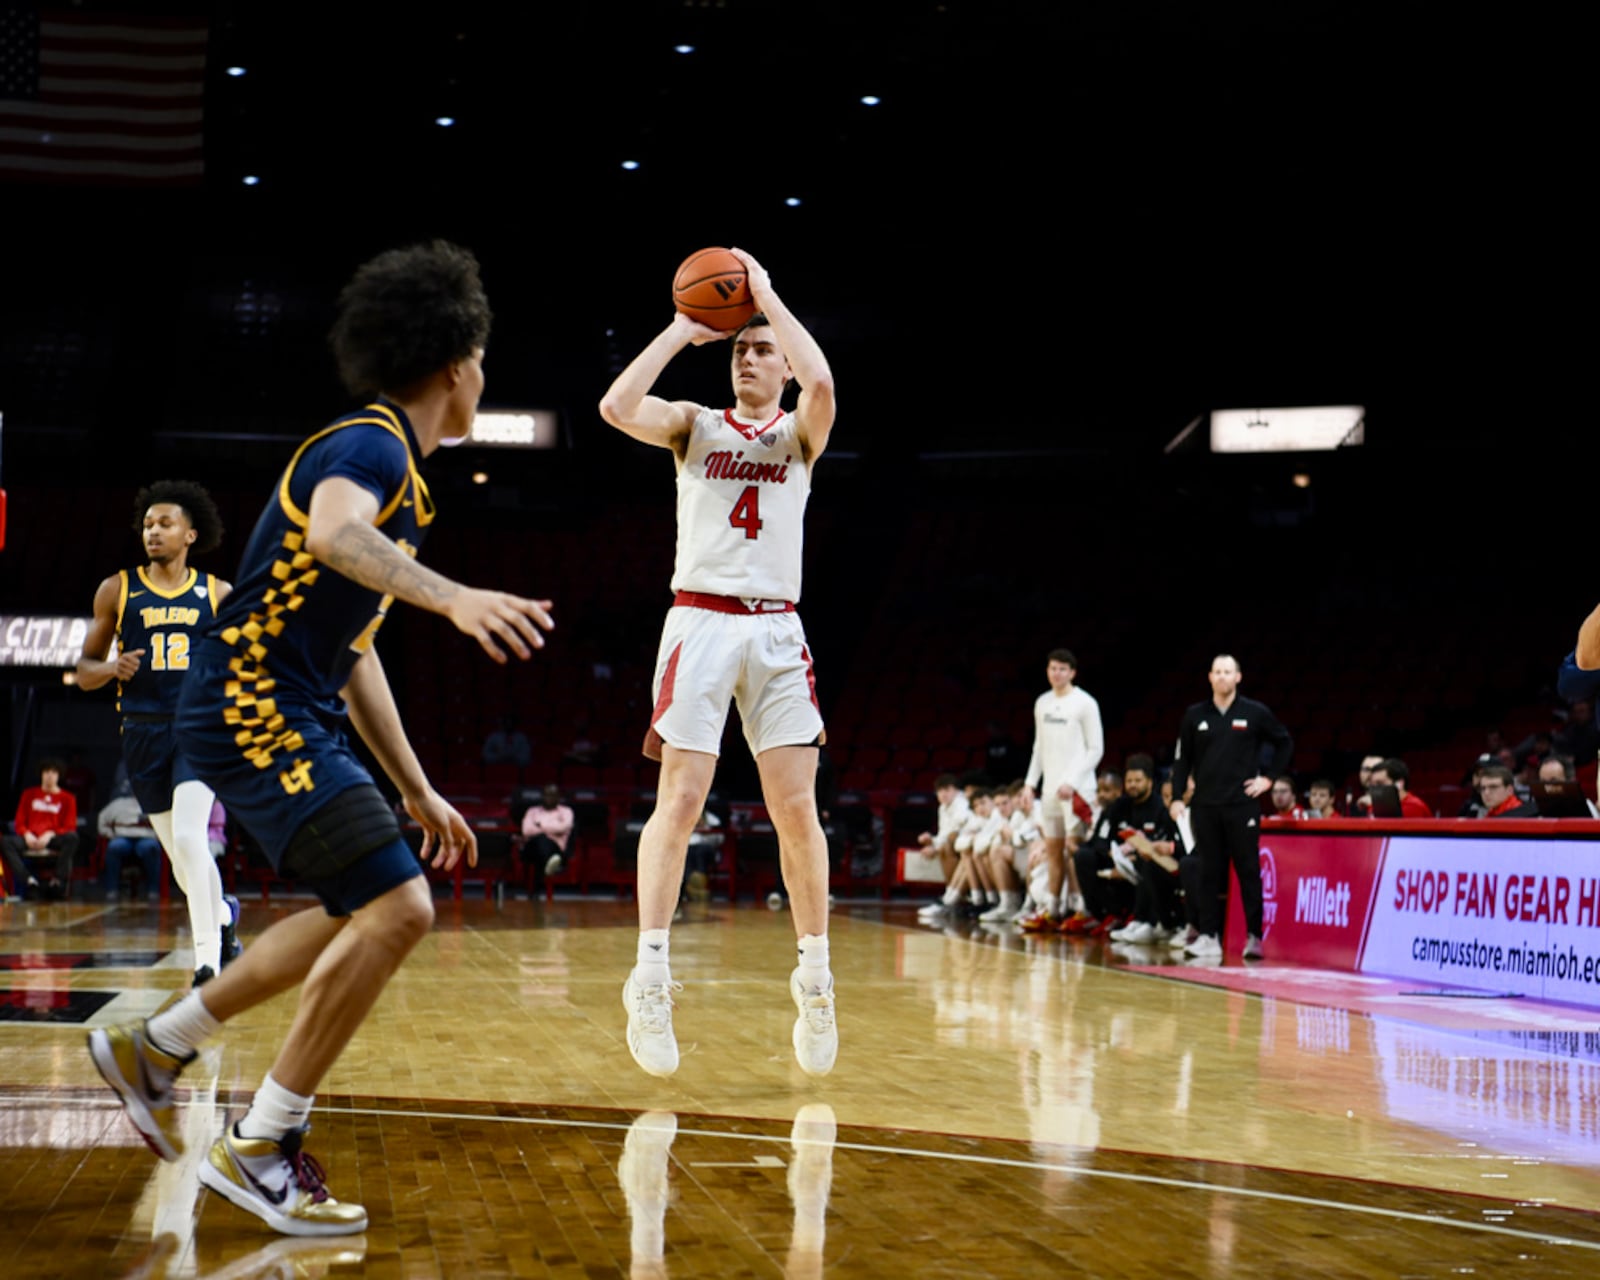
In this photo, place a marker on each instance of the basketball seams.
(697, 282)
(712, 296)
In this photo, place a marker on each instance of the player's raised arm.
(341, 534)
(94, 668)
(628, 405)
(814, 411)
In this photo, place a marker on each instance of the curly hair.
(197, 506)
(408, 313)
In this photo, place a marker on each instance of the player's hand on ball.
(755, 275)
(445, 832)
(128, 663)
(495, 619)
(699, 334)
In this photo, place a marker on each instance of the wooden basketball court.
(1003, 1106)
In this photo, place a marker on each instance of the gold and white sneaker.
(816, 1034)
(142, 1075)
(280, 1184)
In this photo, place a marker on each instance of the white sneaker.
(1252, 948)
(650, 1037)
(995, 914)
(933, 910)
(1160, 933)
(816, 1034)
(1138, 932)
(1206, 946)
(1183, 937)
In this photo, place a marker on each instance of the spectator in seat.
(1363, 801)
(1473, 807)
(1497, 790)
(1564, 769)
(1394, 772)
(1285, 804)
(1320, 800)
(128, 835)
(46, 839)
(546, 831)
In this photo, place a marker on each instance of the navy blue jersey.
(292, 629)
(166, 625)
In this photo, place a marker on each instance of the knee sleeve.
(353, 823)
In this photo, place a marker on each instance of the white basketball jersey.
(742, 490)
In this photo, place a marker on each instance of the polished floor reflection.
(1003, 1106)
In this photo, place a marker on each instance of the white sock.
(814, 960)
(1010, 900)
(991, 897)
(951, 897)
(975, 897)
(652, 965)
(183, 1028)
(274, 1111)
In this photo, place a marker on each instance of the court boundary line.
(1155, 1180)
(1004, 1162)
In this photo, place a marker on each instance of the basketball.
(710, 288)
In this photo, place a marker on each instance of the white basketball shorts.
(758, 661)
(1060, 818)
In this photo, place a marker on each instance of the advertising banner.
(1511, 915)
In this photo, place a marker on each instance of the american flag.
(100, 98)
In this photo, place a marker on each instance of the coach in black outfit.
(1222, 743)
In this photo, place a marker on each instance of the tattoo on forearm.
(364, 555)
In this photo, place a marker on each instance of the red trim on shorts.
(669, 680)
(1081, 809)
(811, 677)
(728, 604)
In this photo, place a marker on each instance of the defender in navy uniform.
(262, 719)
(157, 614)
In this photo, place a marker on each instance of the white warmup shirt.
(1067, 743)
(951, 816)
(742, 490)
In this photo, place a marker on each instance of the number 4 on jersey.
(746, 513)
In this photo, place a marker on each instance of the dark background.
(1064, 232)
